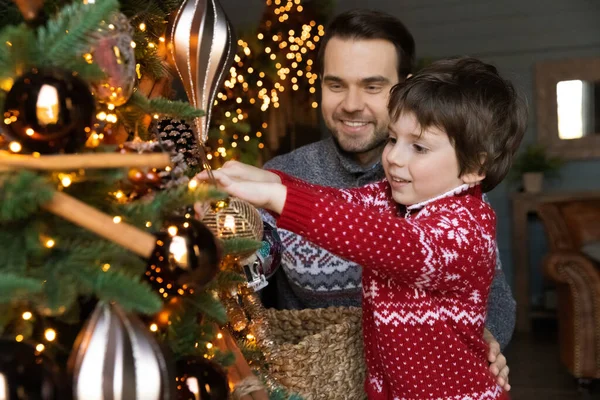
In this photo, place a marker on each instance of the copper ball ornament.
(186, 257)
(199, 378)
(26, 373)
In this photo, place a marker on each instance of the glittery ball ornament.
(234, 218)
(48, 111)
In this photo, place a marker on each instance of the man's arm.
(501, 308)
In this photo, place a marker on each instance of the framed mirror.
(568, 107)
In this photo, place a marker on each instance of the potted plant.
(532, 165)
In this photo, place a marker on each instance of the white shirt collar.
(462, 188)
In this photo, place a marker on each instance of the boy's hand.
(244, 172)
(261, 193)
(497, 360)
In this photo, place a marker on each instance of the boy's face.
(356, 82)
(420, 164)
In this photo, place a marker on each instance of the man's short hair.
(481, 112)
(363, 24)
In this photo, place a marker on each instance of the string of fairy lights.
(248, 85)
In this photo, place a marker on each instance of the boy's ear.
(477, 176)
(472, 177)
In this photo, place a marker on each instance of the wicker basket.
(318, 353)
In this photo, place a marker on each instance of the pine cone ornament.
(178, 133)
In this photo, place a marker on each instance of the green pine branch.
(60, 290)
(226, 280)
(240, 246)
(171, 108)
(22, 193)
(166, 201)
(127, 291)
(18, 51)
(19, 242)
(68, 34)
(209, 306)
(84, 70)
(185, 336)
(13, 286)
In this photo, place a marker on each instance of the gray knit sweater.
(311, 277)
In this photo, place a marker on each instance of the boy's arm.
(376, 194)
(430, 251)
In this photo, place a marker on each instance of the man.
(363, 54)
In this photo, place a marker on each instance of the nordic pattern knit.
(426, 280)
(312, 277)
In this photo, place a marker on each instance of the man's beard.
(353, 146)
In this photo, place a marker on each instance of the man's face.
(356, 82)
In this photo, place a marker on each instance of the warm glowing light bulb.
(50, 334)
(117, 219)
(27, 315)
(193, 184)
(49, 243)
(40, 347)
(154, 327)
(209, 345)
(15, 147)
(66, 181)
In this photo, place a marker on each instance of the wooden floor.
(535, 369)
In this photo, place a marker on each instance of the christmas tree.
(109, 234)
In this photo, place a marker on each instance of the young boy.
(423, 235)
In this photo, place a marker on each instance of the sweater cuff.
(282, 175)
(300, 205)
(289, 180)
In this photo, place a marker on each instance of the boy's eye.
(419, 149)
(391, 140)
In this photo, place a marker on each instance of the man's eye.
(374, 89)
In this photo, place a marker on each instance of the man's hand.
(497, 360)
(254, 185)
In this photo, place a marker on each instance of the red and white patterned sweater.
(426, 279)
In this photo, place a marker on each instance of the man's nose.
(353, 101)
